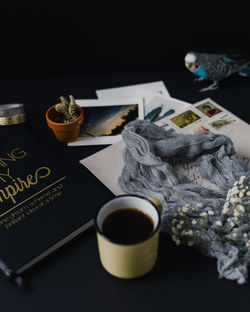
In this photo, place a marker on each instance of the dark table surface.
(72, 279)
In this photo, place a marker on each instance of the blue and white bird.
(216, 67)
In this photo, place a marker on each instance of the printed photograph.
(170, 130)
(222, 122)
(158, 114)
(185, 119)
(164, 125)
(104, 120)
(208, 109)
(200, 128)
(107, 120)
(157, 106)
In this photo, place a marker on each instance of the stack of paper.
(106, 117)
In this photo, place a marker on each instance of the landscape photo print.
(104, 120)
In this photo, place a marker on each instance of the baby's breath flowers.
(193, 224)
(187, 224)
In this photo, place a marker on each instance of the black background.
(110, 44)
(50, 39)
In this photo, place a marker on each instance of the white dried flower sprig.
(232, 224)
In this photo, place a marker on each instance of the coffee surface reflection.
(127, 226)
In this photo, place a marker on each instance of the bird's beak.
(188, 65)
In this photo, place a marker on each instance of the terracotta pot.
(64, 132)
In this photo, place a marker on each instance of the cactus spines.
(68, 109)
(72, 107)
(63, 106)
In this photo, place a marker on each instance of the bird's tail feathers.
(245, 71)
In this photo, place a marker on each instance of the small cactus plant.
(68, 109)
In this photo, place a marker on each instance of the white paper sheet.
(107, 166)
(129, 91)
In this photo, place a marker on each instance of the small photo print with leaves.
(222, 122)
(185, 119)
(208, 109)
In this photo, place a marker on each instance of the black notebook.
(44, 201)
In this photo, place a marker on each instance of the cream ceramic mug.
(129, 260)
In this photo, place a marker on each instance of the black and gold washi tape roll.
(12, 120)
(11, 109)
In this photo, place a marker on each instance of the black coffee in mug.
(127, 226)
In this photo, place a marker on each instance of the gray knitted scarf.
(148, 172)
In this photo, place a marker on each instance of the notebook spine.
(10, 274)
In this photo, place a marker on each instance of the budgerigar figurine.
(216, 67)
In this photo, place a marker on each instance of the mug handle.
(157, 203)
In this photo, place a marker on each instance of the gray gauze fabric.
(146, 173)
